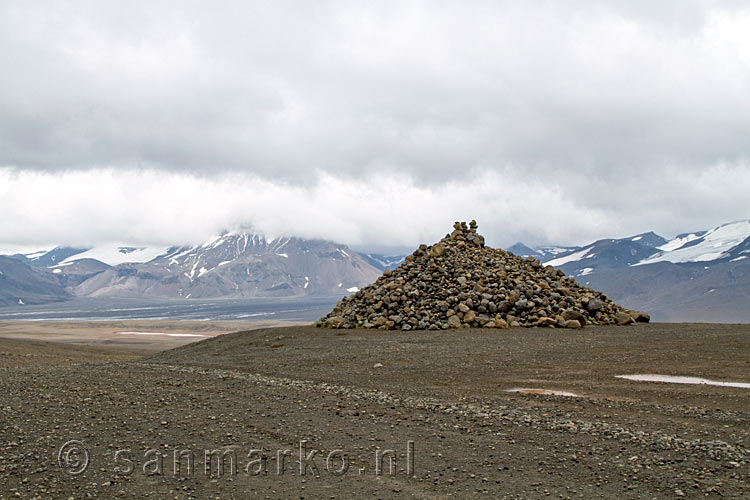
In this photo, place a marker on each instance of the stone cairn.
(459, 282)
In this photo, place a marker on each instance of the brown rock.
(335, 322)
(571, 314)
(640, 317)
(545, 322)
(623, 318)
(503, 306)
(437, 250)
(454, 322)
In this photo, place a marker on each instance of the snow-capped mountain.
(117, 253)
(717, 244)
(238, 265)
(606, 254)
(703, 275)
(383, 262)
(726, 242)
(523, 251)
(111, 254)
(233, 265)
(45, 258)
(697, 276)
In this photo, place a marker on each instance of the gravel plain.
(437, 401)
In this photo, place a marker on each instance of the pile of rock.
(459, 282)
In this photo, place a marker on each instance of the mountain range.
(234, 265)
(698, 276)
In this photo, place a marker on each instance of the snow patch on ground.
(543, 392)
(670, 379)
(164, 334)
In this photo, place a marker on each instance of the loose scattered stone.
(572, 323)
(459, 282)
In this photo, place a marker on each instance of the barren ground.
(445, 392)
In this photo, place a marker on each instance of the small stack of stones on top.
(459, 282)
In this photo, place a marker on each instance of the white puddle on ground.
(543, 392)
(670, 379)
(165, 334)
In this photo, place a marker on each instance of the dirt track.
(443, 391)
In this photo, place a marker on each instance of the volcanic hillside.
(461, 282)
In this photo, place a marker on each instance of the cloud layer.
(555, 121)
(382, 211)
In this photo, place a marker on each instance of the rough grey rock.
(594, 305)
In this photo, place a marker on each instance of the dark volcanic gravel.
(359, 391)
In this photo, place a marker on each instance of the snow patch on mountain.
(586, 271)
(114, 254)
(713, 245)
(554, 250)
(678, 242)
(34, 255)
(575, 256)
(383, 262)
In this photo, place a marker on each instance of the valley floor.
(92, 420)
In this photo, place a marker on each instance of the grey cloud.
(429, 88)
(600, 102)
(381, 210)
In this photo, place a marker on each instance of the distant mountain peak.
(522, 250)
(715, 244)
(239, 264)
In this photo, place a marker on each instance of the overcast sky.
(375, 124)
